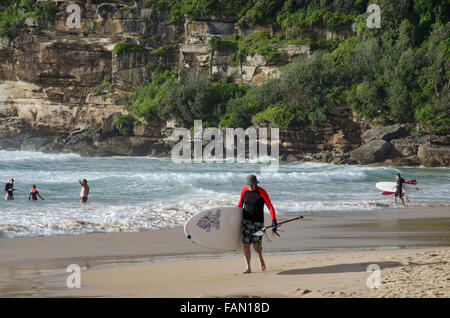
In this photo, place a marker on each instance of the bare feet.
(248, 271)
(263, 266)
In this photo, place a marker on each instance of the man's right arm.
(242, 197)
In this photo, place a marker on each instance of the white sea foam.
(38, 157)
(137, 194)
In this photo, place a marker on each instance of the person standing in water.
(84, 191)
(399, 189)
(9, 189)
(252, 201)
(34, 193)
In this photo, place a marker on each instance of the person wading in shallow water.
(34, 194)
(84, 191)
(9, 189)
(252, 201)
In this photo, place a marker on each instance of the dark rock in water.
(35, 143)
(434, 156)
(341, 159)
(374, 151)
(386, 133)
(51, 147)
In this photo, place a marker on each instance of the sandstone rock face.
(29, 102)
(197, 55)
(129, 69)
(407, 146)
(384, 132)
(53, 95)
(374, 151)
(434, 156)
(330, 142)
(50, 74)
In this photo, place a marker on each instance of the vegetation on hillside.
(398, 73)
(128, 46)
(15, 12)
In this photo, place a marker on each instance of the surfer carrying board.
(252, 201)
(399, 189)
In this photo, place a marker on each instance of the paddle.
(263, 230)
(407, 182)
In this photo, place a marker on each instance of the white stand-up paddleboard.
(220, 229)
(390, 187)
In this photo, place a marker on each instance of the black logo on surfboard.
(210, 221)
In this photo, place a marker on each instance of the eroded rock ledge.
(52, 98)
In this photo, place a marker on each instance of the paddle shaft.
(290, 220)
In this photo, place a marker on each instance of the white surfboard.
(391, 187)
(220, 229)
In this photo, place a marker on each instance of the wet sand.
(36, 266)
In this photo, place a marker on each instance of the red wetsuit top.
(33, 194)
(253, 204)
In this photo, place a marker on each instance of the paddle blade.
(260, 232)
(387, 193)
(411, 182)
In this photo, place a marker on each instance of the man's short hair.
(84, 180)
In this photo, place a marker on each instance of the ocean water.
(142, 193)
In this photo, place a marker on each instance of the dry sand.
(404, 273)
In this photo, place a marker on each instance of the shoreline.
(171, 242)
(37, 266)
(107, 145)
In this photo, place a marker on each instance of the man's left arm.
(266, 198)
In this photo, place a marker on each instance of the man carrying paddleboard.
(252, 201)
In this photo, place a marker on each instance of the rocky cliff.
(60, 86)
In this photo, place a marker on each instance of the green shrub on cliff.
(125, 124)
(434, 94)
(198, 97)
(12, 18)
(398, 73)
(129, 46)
(258, 42)
(277, 116)
(305, 18)
(219, 44)
(146, 101)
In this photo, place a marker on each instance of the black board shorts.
(398, 193)
(84, 199)
(248, 228)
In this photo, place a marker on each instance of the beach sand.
(404, 273)
(315, 257)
